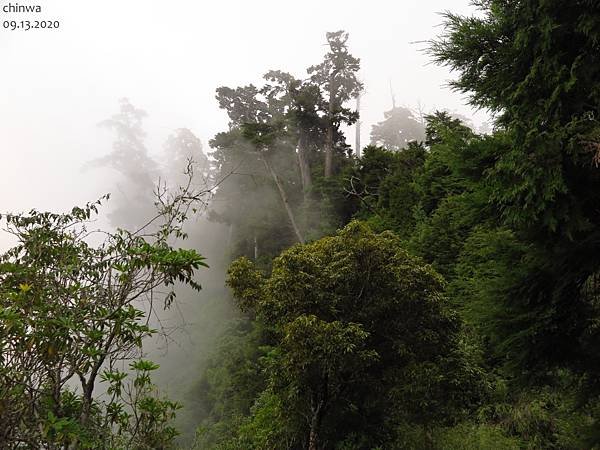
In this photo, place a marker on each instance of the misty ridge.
(317, 254)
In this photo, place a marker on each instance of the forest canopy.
(436, 289)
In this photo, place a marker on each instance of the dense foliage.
(440, 292)
(73, 315)
(357, 325)
(509, 219)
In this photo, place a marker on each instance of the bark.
(357, 136)
(87, 387)
(329, 141)
(86, 403)
(284, 199)
(255, 248)
(304, 164)
(313, 439)
(315, 422)
(318, 403)
(330, 126)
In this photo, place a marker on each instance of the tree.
(278, 131)
(266, 139)
(260, 136)
(181, 147)
(304, 114)
(535, 64)
(247, 201)
(130, 158)
(398, 129)
(337, 78)
(74, 307)
(383, 187)
(358, 325)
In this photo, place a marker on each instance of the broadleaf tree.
(75, 307)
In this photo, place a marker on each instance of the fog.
(168, 58)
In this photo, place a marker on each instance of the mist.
(167, 59)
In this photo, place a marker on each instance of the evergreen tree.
(399, 128)
(337, 78)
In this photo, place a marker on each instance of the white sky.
(168, 57)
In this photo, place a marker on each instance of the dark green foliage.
(231, 383)
(379, 348)
(529, 309)
(441, 199)
(382, 187)
(510, 219)
(440, 237)
(536, 64)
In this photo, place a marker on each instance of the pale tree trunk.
(315, 423)
(329, 145)
(255, 247)
(329, 151)
(357, 136)
(313, 439)
(284, 199)
(329, 137)
(304, 164)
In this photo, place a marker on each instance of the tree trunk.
(329, 148)
(255, 247)
(357, 136)
(284, 199)
(313, 440)
(329, 137)
(86, 402)
(304, 164)
(313, 437)
(86, 406)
